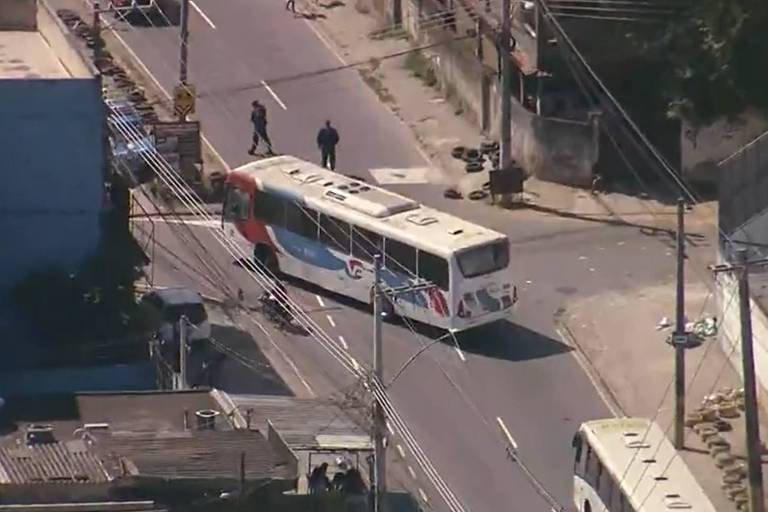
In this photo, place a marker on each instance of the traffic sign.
(184, 99)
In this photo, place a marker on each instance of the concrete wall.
(53, 174)
(730, 328)
(551, 149)
(18, 14)
(704, 148)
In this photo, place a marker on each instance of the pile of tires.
(475, 158)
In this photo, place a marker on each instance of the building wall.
(552, 149)
(52, 170)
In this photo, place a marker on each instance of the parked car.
(168, 305)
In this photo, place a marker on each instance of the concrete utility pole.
(505, 130)
(754, 446)
(183, 353)
(379, 419)
(680, 339)
(184, 22)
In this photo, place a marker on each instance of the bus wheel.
(587, 506)
(265, 256)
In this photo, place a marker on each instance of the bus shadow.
(509, 341)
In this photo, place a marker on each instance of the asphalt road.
(518, 371)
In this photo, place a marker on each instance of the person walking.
(290, 5)
(327, 138)
(259, 122)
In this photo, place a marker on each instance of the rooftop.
(35, 45)
(303, 423)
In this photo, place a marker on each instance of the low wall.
(729, 332)
(551, 149)
(18, 15)
(62, 41)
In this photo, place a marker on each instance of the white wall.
(52, 171)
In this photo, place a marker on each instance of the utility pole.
(183, 352)
(754, 446)
(379, 420)
(505, 131)
(680, 339)
(184, 22)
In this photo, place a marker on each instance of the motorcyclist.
(277, 298)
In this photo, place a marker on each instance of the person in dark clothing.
(290, 5)
(327, 138)
(259, 121)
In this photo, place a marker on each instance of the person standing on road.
(290, 5)
(259, 121)
(327, 138)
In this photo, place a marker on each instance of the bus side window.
(269, 208)
(365, 245)
(433, 269)
(590, 466)
(334, 233)
(301, 220)
(400, 257)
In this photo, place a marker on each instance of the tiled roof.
(69, 462)
(194, 454)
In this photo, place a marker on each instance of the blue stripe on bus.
(311, 253)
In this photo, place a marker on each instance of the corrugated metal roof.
(70, 462)
(195, 454)
(302, 423)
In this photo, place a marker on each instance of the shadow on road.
(512, 342)
(243, 368)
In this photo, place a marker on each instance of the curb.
(594, 375)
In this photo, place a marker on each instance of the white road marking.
(412, 472)
(357, 369)
(157, 83)
(202, 14)
(325, 42)
(274, 95)
(343, 342)
(330, 320)
(320, 301)
(401, 451)
(391, 430)
(507, 434)
(584, 366)
(423, 495)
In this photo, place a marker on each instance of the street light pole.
(379, 419)
(505, 130)
(679, 339)
(184, 22)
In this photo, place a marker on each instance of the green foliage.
(92, 304)
(718, 53)
(421, 67)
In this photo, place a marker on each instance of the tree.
(718, 53)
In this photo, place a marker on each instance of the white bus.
(302, 220)
(629, 465)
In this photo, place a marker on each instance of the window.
(400, 257)
(433, 269)
(484, 259)
(235, 205)
(334, 233)
(365, 244)
(269, 208)
(301, 220)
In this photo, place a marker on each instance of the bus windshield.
(484, 259)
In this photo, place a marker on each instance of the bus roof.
(617, 441)
(365, 205)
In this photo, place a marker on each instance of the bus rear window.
(484, 259)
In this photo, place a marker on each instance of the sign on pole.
(184, 99)
(187, 134)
